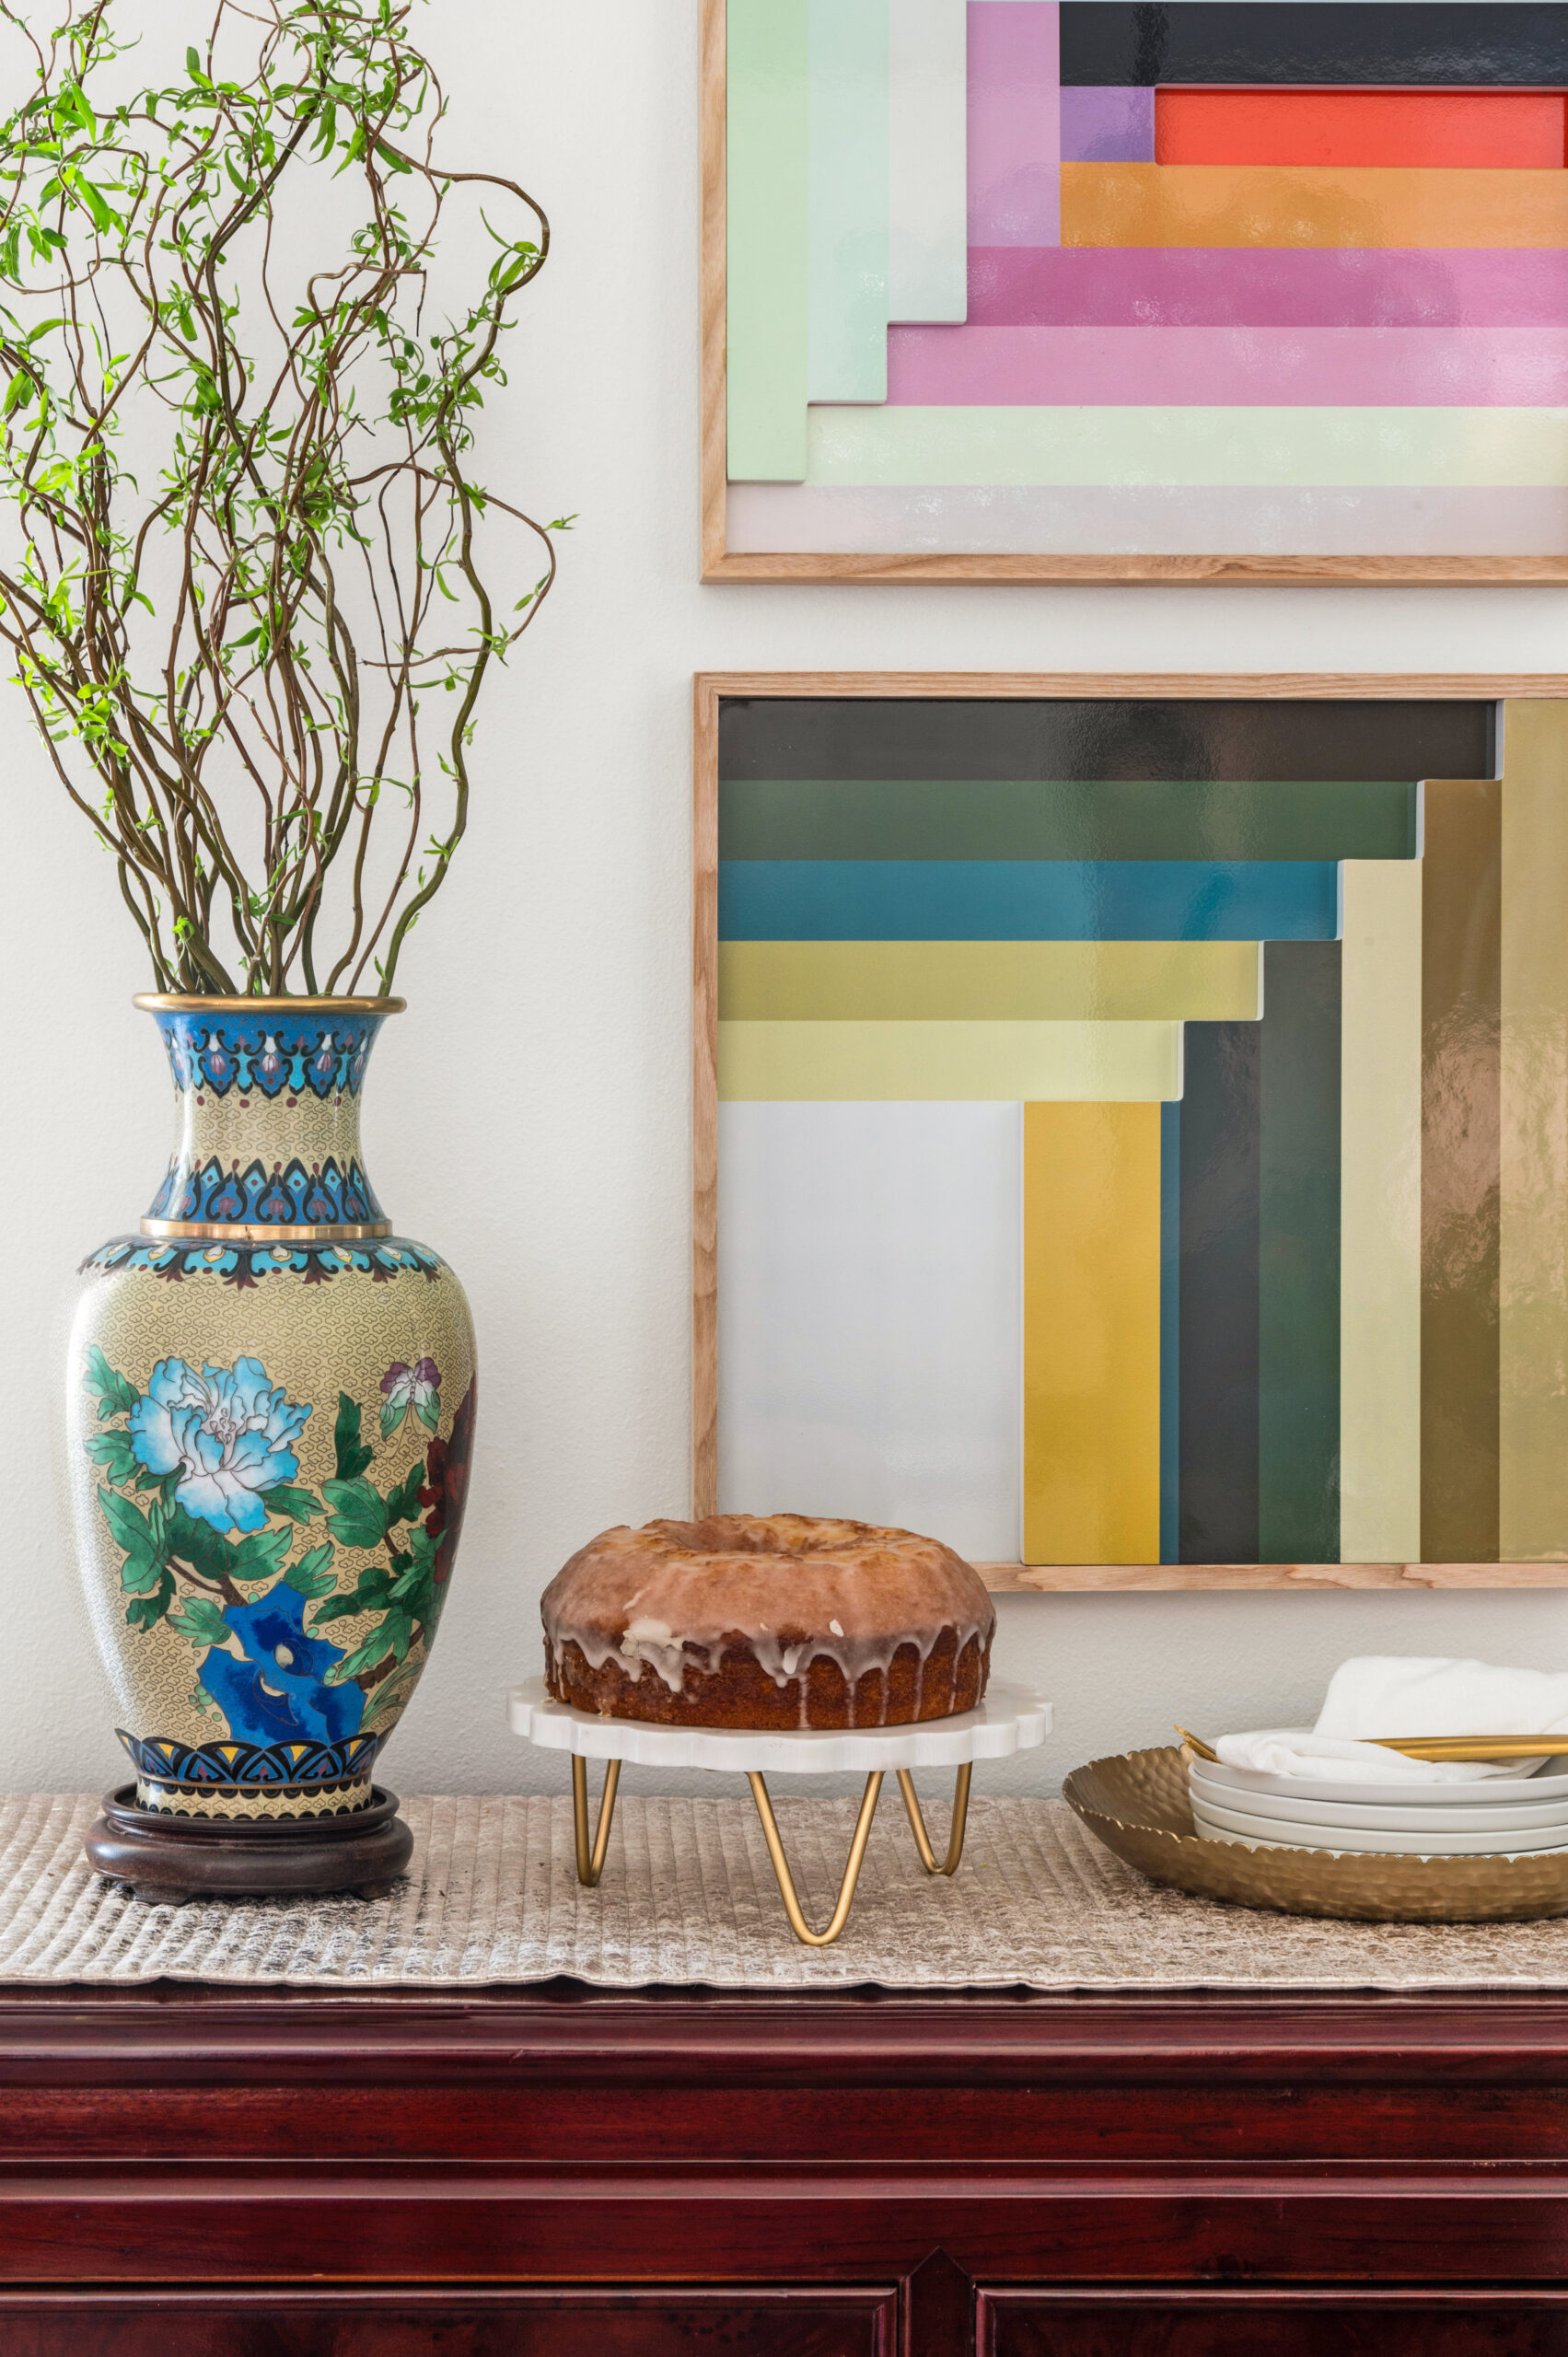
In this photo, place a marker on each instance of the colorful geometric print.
(281, 1195)
(1250, 276)
(268, 1055)
(229, 1764)
(243, 1265)
(1265, 1262)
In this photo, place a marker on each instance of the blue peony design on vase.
(228, 1432)
(279, 1692)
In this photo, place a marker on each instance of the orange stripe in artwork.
(1091, 1333)
(1510, 130)
(1276, 204)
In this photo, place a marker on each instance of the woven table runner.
(689, 1896)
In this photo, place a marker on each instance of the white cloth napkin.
(1374, 1694)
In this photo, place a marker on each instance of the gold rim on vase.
(177, 1003)
(196, 1231)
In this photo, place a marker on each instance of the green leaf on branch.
(113, 1451)
(298, 1505)
(375, 1587)
(147, 1611)
(313, 1576)
(402, 1505)
(115, 1397)
(260, 1556)
(139, 1575)
(130, 1525)
(358, 1517)
(165, 1485)
(392, 1637)
(145, 1540)
(392, 1694)
(198, 1544)
(199, 1619)
(353, 1454)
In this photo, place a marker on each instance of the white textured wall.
(530, 1115)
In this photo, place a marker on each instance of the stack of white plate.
(1497, 1816)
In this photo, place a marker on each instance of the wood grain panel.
(264, 2321)
(705, 1103)
(1005, 1578)
(1308, 2322)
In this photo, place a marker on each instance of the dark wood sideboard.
(553, 2173)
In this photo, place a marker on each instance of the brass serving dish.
(1137, 1805)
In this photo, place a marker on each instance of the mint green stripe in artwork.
(1029, 819)
(767, 230)
(1149, 447)
(848, 210)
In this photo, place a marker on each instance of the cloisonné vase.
(270, 1415)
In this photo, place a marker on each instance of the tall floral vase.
(269, 1408)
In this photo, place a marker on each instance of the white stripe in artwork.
(870, 1304)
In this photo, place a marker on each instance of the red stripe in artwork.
(1475, 129)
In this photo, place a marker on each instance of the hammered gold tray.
(1136, 1803)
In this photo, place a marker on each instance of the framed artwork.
(1224, 290)
(1131, 1121)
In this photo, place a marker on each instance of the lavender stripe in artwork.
(1107, 126)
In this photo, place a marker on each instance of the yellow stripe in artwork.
(989, 981)
(1006, 1063)
(1380, 1213)
(1533, 1306)
(1091, 1333)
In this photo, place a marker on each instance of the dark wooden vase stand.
(169, 1858)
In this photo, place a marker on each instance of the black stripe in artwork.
(1110, 737)
(1489, 44)
(1217, 1385)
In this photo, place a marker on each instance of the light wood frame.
(719, 564)
(710, 689)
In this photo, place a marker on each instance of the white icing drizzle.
(787, 1588)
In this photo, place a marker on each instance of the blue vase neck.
(267, 1093)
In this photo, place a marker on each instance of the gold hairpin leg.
(590, 1863)
(840, 1916)
(955, 1831)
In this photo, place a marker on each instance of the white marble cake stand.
(1010, 1719)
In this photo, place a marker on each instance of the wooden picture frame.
(1476, 319)
(712, 691)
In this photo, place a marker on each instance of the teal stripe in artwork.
(849, 200)
(1031, 818)
(1347, 448)
(1039, 899)
(1170, 1334)
(1298, 1277)
(767, 295)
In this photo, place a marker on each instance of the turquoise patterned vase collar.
(268, 1094)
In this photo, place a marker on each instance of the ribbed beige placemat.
(688, 1896)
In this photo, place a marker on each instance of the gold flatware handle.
(1475, 1746)
(1440, 1747)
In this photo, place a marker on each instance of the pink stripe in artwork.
(1251, 366)
(1015, 139)
(1013, 285)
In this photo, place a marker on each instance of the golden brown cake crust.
(767, 1622)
